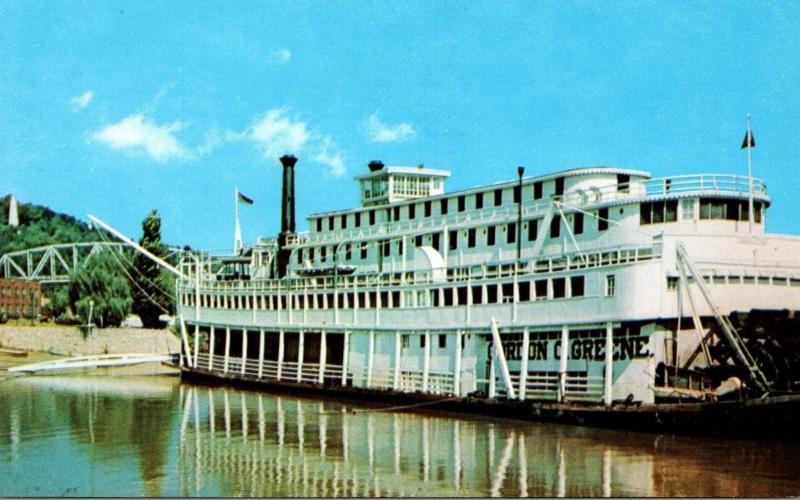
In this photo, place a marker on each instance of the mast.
(237, 231)
(749, 143)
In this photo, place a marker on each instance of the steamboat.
(598, 296)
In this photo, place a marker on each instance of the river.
(133, 435)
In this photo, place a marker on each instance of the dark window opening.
(427, 209)
(471, 238)
(344, 221)
(330, 223)
(623, 183)
(537, 190)
(541, 289)
(372, 217)
(435, 242)
(462, 203)
(516, 193)
(358, 219)
(491, 294)
(559, 186)
(511, 233)
(412, 211)
(559, 288)
(602, 219)
(478, 201)
(443, 206)
(319, 225)
(418, 240)
(498, 197)
(490, 235)
(524, 290)
(533, 229)
(576, 284)
(555, 227)
(442, 340)
(578, 223)
(364, 249)
(452, 239)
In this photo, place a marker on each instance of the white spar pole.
(749, 175)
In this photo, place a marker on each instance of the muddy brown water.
(128, 434)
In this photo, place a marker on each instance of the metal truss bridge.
(52, 263)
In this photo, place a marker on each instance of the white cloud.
(381, 132)
(81, 101)
(328, 154)
(279, 56)
(276, 134)
(135, 134)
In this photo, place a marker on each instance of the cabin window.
(319, 225)
(348, 252)
(427, 209)
(405, 340)
(311, 254)
(330, 223)
(396, 213)
(491, 294)
(578, 223)
(344, 221)
(435, 241)
(611, 285)
(400, 246)
(498, 197)
(358, 218)
(490, 235)
(448, 296)
(511, 233)
(657, 212)
(508, 292)
(541, 289)
(443, 206)
(442, 340)
(559, 288)
(555, 227)
(323, 253)
(524, 290)
(516, 193)
(576, 284)
(537, 190)
(386, 248)
(533, 229)
(559, 186)
(412, 211)
(462, 203)
(418, 240)
(623, 183)
(364, 249)
(471, 237)
(372, 217)
(477, 294)
(478, 201)
(452, 239)
(602, 219)
(687, 209)
(461, 295)
(422, 341)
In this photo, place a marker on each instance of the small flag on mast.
(245, 199)
(749, 141)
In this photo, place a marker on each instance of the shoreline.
(70, 340)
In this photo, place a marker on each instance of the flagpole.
(236, 230)
(749, 174)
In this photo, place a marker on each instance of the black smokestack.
(287, 213)
(287, 198)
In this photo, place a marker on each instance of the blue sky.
(115, 108)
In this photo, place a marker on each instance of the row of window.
(527, 291)
(657, 212)
(455, 238)
(672, 282)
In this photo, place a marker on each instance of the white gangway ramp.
(87, 362)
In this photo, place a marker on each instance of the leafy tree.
(153, 285)
(100, 281)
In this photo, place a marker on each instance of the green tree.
(152, 285)
(99, 285)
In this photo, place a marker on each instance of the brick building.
(20, 297)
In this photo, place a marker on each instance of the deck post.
(523, 371)
(260, 352)
(562, 368)
(300, 346)
(345, 357)
(211, 349)
(397, 354)
(609, 369)
(244, 350)
(227, 349)
(491, 375)
(196, 345)
(186, 355)
(323, 352)
(280, 353)
(501, 357)
(426, 364)
(457, 365)
(370, 357)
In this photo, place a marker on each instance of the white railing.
(704, 183)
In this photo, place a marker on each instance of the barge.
(598, 296)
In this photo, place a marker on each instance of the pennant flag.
(748, 141)
(245, 199)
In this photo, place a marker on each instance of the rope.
(147, 295)
(130, 263)
(393, 408)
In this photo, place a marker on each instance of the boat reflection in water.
(155, 436)
(256, 444)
